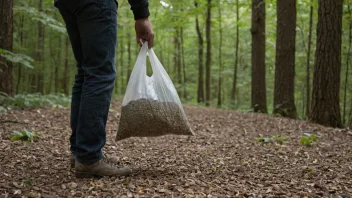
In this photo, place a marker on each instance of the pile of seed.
(151, 118)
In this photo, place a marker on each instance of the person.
(92, 29)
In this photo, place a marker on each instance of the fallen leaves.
(222, 160)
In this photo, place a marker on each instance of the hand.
(144, 31)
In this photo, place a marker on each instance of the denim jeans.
(92, 27)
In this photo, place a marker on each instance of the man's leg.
(97, 26)
(75, 39)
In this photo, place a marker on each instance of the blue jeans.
(92, 28)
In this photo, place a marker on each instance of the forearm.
(140, 8)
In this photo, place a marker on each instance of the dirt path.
(222, 160)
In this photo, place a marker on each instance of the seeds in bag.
(151, 106)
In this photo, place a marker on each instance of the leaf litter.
(223, 159)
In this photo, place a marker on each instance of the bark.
(220, 58)
(6, 30)
(347, 68)
(200, 95)
(325, 107)
(39, 54)
(19, 78)
(57, 64)
(234, 82)
(208, 55)
(67, 68)
(128, 73)
(284, 104)
(183, 66)
(258, 57)
(308, 60)
(122, 64)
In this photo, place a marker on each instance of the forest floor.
(222, 160)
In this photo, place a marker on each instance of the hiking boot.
(100, 168)
(72, 160)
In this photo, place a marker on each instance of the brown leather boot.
(100, 168)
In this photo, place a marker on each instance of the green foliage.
(24, 135)
(274, 139)
(29, 101)
(42, 17)
(17, 58)
(3, 110)
(167, 17)
(28, 181)
(308, 139)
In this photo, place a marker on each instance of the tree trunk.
(208, 58)
(54, 61)
(57, 64)
(325, 107)
(67, 68)
(284, 103)
(200, 95)
(128, 73)
(183, 66)
(177, 57)
(220, 58)
(39, 53)
(347, 68)
(121, 64)
(308, 60)
(6, 25)
(258, 57)
(234, 82)
(19, 78)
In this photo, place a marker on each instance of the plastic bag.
(151, 106)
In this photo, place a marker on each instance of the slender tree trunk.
(284, 103)
(325, 107)
(234, 82)
(208, 58)
(175, 53)
(57, 65)
(308, 60)
(39, 53)
(21, 44)
(67, 68)
(347, 68)
(168, 59)
(121, 64)
(183, 66)
(177, 58)
(6, 25)
(128, 73)
(200, 96)
(258, 57)
(220, 58)
(53, 61)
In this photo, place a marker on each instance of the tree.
(347, 66)
(234, 80)
(285, 59)
(39, 53)
(258, 57)
(220, 58)
(67, 70)
(200, 91)
(6, 24)
(208, 58)
(308, 60)
(325, 107)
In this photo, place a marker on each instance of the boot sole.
(87, 175)
(90, 175)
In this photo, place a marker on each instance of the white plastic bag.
(151, 105)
